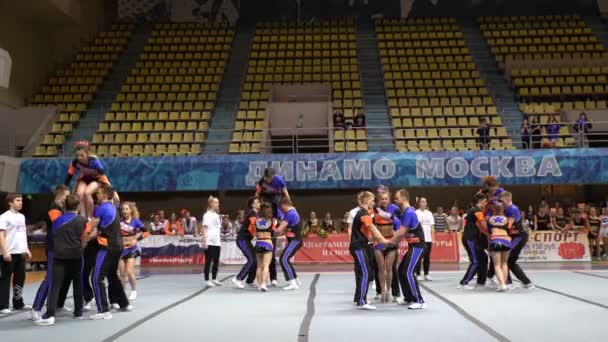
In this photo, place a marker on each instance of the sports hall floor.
(569, 304)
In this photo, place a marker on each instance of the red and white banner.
(550, 246)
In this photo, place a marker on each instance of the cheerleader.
(91, 176)
(500, 245)
(243, 242)
(262, 227)
(132, 230)
(519, 238)
(474, 242)
(387, 223)
(594, 233)
(292, 228)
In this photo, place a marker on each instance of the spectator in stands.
(529, 215)
(328, 224)
(157, 227)
(174, 227)
(339, 120)
(237, 225)
(226, 232)
(359, 120)
(582, 127)
(483, 132)
(536, 133)
(580, 222)
(552, 131)
(542, 220)
(440, 220)
(313, 224)
(454, 221)
(344, 227)
(188, 223)
(560, 221)
(526, 133)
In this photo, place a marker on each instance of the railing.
(323, 139)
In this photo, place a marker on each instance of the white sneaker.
(512, 287)
(127, 308)
(529, 286)
(103, 315)
(5, 311)
(210, 283)
(401, 301)
(468, 287)
(237, 283)
(35, 315)
(420, 277)
(428, 278)
(88, 306)
(292, 286)
(263, 288)
(366, 307)
(501, 288)
(275, 283)
(115, 306)
(64, 309)
(373, 286)
(45, 321)
(298, 281)
(133, 295)
(217, 283)
(416, 306)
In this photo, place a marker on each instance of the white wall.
(9, 173)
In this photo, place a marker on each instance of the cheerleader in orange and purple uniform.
(262, 227)
(132, 230)
(500, 246)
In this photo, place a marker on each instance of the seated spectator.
(536, 133)
(157, 226)
(339, 120)
(344, 226)
(526, 134)
(542, 220)
(529, 215)
(560, 221)
(440, 220)
(579, 222)
(161, 214)
(359, 120)
(454, 221)
(188, 223)
(328, 224)
(237, 225)
(484, 134)
(313, 225)
(552, 130)
(226, 232)
(174, 227)
(582, 127)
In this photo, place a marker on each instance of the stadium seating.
(166, 103)
(435, 94)
(293, 54)
(72, 89)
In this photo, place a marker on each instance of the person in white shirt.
(212, 225)
(427, 221)
(14, 251)
(454, 221)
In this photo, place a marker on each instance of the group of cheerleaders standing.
(271, 214)
(494, 225)
(106, 247)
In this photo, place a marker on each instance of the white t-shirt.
(454, 223)
(212, 221)
(15, 232)
(351, 215)
(426, 221)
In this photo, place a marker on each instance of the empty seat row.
(157, 126)
(144, 138)
(448, 111)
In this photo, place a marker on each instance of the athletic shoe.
(45, 321)
(209, 283)
(493, 281)
(420, 277)
(88, 306)
(275, 283)
(529, 286)
(115, 306)
(64, 309)
(503, 288)
(35, 315)
(511, 287)
(79, 317)
(366, 307)
(416, 306)
(292, 286)
(467, 287)
(237, 283)
(127, 308)
(401, 301)
(298, 281)
(25, 307)
(217, 283)
(133, 295)
(5, 311)
(263, 289)
(103, 315)
(373, 285)
(428, 278)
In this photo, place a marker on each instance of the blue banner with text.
(333, 171)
